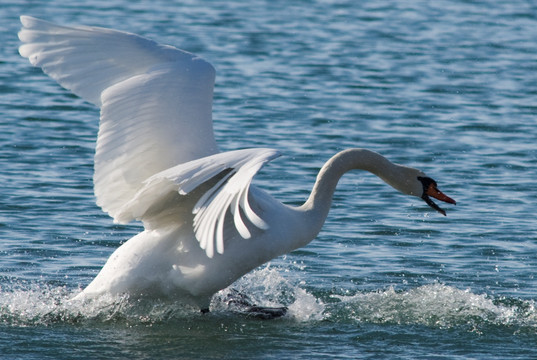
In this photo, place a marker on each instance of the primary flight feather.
(157, 161)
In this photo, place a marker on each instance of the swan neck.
(315, 210)
(320, 198)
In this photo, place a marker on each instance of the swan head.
(411, 181)
(405, 179)
(429, 189)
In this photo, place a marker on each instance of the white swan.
(157, 161)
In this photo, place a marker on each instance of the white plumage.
(157, 161)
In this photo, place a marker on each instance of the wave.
(439, 306)
(38, 304)
(433, 305)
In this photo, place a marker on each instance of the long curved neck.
(318, 204)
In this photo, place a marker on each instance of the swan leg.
(242, 304)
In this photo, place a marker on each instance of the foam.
(435, 305)
(438, 305)
(267, 287)
(37, 304)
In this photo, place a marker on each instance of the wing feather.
(156, 113)
(87, 60)
(228, 195)
(156, 100)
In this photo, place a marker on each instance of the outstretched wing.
(156, 105)
(231, 172)
(156, 100)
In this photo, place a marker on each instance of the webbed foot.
(242, 304)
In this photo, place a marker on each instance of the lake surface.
(449, 87)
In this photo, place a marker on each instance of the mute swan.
(157, 161)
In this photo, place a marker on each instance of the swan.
(157, 161)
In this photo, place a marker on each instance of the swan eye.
(426, 182)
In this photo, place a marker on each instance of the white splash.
(435, 305)
(438, 305)
(45, 305)
(267, 287)
(37, 304)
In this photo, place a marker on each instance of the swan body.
(157, 161)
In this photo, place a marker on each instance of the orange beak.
(439, 195)
(430, 190)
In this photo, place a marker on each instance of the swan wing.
(156, 100)
(228, 174)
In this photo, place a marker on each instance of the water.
(447, 86)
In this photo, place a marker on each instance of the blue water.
(449, 87)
